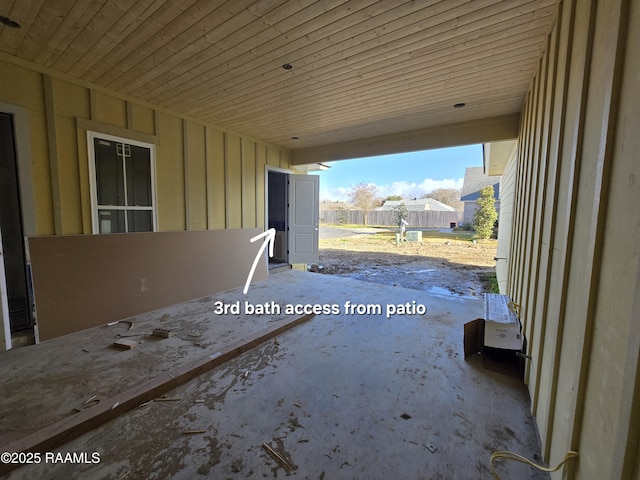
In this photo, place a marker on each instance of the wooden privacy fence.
(427, 218)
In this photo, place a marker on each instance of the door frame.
(288, 232)
(27, 205)
(267, 169)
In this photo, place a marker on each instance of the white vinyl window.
(122, 175)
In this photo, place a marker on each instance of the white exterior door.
(304, 218)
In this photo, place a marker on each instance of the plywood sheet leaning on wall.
(82, 281)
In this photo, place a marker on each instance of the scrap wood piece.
(126, 344)
(277, 457)
(90, 402)
(111, 324)
(162, 332)
(193, 432)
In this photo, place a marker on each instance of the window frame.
(95, 207)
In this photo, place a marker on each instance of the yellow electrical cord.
(514, 307)
(519, 458)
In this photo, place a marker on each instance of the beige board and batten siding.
(507, 192)
(575, 242)
(206, 177)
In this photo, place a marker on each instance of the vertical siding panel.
(72, 101)
(547, 201)
(52, 141)
(195, 176)
(513, 264)
(557, 230)
(530, 206)
(186, 174)
(539, 172)
(233, 170)
(595, 151)
(542, 395)
(261, 162)
(567, 368)
(566, 215)
(285, 159)
(273, 156)
(521, 199)
(507, 193)
(614, 381)
(248, 183)
(170, 172)
(216, 176)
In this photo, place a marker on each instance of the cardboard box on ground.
(498, 336)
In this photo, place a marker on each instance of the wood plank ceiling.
(360, 68)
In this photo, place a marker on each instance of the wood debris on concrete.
(277, 457)
(58, 433)
(111, 324)
(162, 332)
(193, 432)
(125, 344)
(90, 402)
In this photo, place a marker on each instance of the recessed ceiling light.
(287, 66)
(459, 105)
(7, 22)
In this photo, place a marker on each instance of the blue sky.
(407, 174)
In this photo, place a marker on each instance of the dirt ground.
(444, 263)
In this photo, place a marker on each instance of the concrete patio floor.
(339, 396)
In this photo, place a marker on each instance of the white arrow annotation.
(269, 238)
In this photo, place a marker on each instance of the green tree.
(400, 213)
(485, 215)
(343, 215)
(365, 197)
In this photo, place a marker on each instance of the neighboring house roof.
(418, 205)
(335, 206)
(474, 180)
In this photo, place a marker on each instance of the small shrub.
(485, 215)
(343, 215)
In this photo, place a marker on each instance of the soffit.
(360, 68)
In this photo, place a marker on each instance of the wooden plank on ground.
(61, 432)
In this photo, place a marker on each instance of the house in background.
(417, 205)
(331, 206)
(475, 180)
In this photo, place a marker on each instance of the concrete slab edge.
(61, 432)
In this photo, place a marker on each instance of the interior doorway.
(293, 211)
(12, 246)
(277, 200)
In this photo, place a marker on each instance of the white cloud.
(338, 194)
(406, 189)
